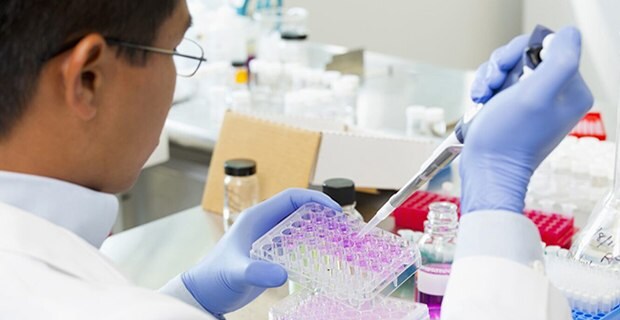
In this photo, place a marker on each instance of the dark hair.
(32, 30)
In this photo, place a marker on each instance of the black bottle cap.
(238, 64)
(240, 167)
(293, 36)
(341, 190)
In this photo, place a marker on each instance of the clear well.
(320, 249)
(315, 306)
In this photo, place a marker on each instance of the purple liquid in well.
(333, 234)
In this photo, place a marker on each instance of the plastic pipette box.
(306, 305)
(592, 291)
(555, 229)
(613, 315)
(590, 126)
(321, 251)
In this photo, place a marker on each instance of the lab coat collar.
(87, 213)
(25, 234)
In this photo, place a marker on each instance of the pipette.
(451, 147)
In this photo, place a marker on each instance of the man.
(82, 104)
(86, 87)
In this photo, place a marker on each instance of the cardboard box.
(285, 156)
(290, 157)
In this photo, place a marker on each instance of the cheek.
(155, 99)
(163, 99)
(165, 82)
(168, 79)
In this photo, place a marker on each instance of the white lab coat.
(491, 288)
(498, 272)
(47, 272)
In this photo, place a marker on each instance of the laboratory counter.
(153, 253)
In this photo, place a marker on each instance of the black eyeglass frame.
(121, 43)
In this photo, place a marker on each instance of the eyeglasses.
(188, 55)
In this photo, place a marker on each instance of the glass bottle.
(342, 191)
(415, 121)
(294, 36)
(241, 75)
(240, 188)
(599, 242)
(437, 247)
(346, 91)
(435, 121)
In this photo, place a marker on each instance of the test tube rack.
(613, 315)
(320, 249)
(555, 229)
(592, 291)
(590, 126)
(307, 305)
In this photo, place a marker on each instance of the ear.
(83, 75)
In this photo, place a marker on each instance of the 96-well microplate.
(305, 305)
(320, 249)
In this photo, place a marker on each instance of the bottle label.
(601, 248)
(437, 269)
(433, 278)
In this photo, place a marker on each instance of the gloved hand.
(520, 126)
(227, 279)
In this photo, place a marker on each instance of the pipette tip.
(383, 213)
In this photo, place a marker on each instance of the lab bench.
(153, 253)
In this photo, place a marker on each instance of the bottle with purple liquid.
(437, 247)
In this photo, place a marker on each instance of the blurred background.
(414, 53)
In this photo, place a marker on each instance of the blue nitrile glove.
(227, 279)
(520, 126)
